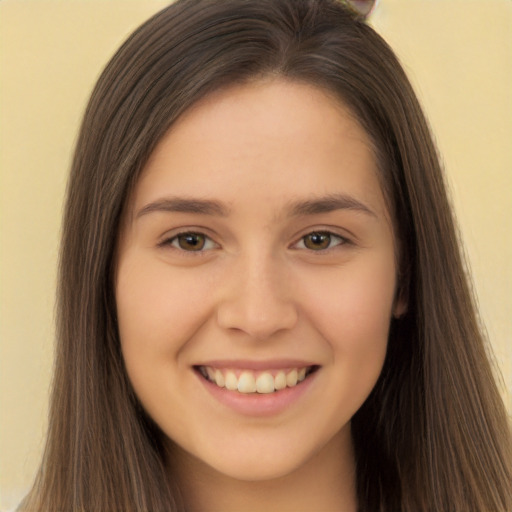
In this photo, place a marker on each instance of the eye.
(320, 241)
(191, 242)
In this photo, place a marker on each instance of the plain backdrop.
(458, 54)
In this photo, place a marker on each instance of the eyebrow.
(184, 205)
(324, 204)
(328, 204)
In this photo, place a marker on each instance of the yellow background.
(458, 54)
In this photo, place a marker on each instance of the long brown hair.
(433, 435)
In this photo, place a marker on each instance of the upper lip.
(246, 364)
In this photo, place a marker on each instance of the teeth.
(231, 381)
(280, 381)
(247, 382)
(265, 383)
(291, 378)
(219, 378)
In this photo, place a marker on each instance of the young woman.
(262, 299)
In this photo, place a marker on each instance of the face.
(256, 279)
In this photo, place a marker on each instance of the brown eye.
(190, 241)
(317, 241)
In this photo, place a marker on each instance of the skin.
(257, 292)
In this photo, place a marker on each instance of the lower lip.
(259, 404)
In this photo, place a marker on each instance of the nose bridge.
(257, 297)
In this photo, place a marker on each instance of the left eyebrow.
(184, 205)
(328, 204)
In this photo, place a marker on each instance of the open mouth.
(249, 381)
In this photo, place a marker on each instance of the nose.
(256, 299)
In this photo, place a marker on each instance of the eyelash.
(322, 233)
(174, 241)
(209, 244)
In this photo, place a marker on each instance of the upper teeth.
(248, 382)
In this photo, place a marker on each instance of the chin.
(258, 469)
(264, 456)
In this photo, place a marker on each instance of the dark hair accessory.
(362, 8)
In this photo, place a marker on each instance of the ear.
(400, 306)
(401, 302)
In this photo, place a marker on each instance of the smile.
(263, 382)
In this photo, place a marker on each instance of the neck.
(325, 482)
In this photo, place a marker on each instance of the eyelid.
(168, 240)
(343, 240)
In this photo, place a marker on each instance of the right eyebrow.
(184, 205)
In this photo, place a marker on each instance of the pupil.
(191, 242)
(318, 241)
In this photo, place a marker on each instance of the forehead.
(272, 141)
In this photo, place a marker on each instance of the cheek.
(356, 301)
(158, 311)
(352, 309)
